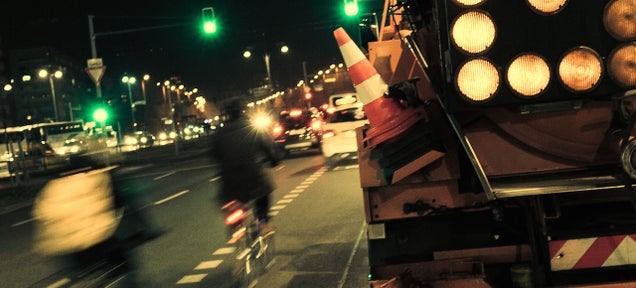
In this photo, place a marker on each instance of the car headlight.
(261, 121)
(130, 141)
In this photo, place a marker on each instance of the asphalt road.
(318, 215)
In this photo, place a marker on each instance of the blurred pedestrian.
(86, 219)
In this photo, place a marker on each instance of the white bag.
(75, 212)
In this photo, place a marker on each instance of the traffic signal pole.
(93, 36)
(91, 31)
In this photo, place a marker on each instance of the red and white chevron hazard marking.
(593, 252)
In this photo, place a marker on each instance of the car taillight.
(277, 130)
(234, 217)
(295, 113)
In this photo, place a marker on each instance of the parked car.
(298, 129)
(339, 133)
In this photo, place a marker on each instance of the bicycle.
(255, 248)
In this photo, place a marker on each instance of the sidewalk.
(14, 196)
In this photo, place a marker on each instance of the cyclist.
(238, 148)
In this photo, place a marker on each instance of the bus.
(62, 138)
(43, 139)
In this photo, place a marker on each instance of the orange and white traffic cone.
(387, 117)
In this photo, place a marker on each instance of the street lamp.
(248, 54)
(129, 80)
(145, 78)
(7, 88)
(43, 73)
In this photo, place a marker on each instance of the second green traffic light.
(351, 7)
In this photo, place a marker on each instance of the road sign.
(96, 73)
(95, 69)
(94, 62)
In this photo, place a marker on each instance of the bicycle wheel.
(269, 250)
(243, 270)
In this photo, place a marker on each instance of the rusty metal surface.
(577, 135)
(446, 273)
(387, 203)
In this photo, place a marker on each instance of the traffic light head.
(351, 7)
(522, 53)
(209, 20)
(100, 115)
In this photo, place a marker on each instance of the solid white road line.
(353, 253)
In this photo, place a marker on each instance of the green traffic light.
(209, 27)
(100, 115)
(209, 20)
(351, 7)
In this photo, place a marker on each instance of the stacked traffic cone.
(387, 117)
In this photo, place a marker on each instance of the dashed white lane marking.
(208, 264)
(302, 186)
(296, 190)
(290, 196)
(284, 201)
(277, 207)
(59, 283)
(215, 179)
(164, 175)
(273, 213)
(171, 197)
(223, 251)
(22, 222)
(194, 278)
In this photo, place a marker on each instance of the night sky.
(214, 65)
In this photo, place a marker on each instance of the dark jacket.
(239, 149)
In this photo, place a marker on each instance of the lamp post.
(165, 88)
(248, 54)
(43, 73)
(128, 80)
